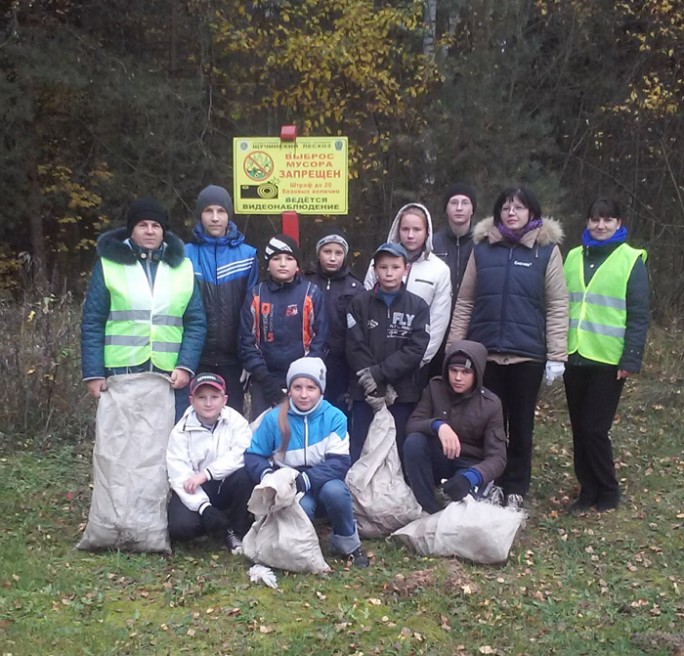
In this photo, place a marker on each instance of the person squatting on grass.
(513, 299)
(456, 431)
(388, 332)
(210, 487)
(143, 310)
(339, 285)
(310, 435)
(225, 269)
(609, 303)
(426, 276)
(282, 319)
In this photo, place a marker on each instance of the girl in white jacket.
(205, 461)
(428, 276)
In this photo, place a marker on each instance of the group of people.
(452, 331)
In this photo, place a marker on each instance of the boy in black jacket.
(339, 285)
(388, 332)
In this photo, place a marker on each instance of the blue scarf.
(619, 237)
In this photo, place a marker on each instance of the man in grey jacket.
(456, 432)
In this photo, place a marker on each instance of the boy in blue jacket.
(282, 319)
(225, 269)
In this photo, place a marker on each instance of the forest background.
(102, 102)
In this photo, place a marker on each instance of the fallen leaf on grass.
(265, 628)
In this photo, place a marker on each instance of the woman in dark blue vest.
(513, 299)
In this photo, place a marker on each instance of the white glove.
(265, 575)
(390, 395)
(376, 402)
(554, 370)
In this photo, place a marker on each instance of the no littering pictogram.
(258, 166)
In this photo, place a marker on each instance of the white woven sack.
(381, 499)
(130, 485)
(282, 535)
(470, 529)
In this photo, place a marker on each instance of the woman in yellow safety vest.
(143, 311)
(609, 293)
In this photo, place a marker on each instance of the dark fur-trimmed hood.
(551, 232)
(112, 245)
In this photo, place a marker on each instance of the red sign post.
(290, 220)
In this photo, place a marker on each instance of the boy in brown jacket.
(456, 431)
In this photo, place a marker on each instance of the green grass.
(599, 584)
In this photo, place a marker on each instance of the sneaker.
(515, 501)
(233, 542)
(495, 496)
(358, 558)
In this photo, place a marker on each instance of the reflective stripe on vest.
(143, 323)
(598, 311)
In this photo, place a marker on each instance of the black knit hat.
(146, 209)
(213, 195)
(461, 189)
(282, 244)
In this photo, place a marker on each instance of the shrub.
(41, 394)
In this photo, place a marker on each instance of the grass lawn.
(598, 584)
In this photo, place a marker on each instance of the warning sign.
(308, 176)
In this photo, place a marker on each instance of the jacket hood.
(393, 235)
(476, 352)
(233, 236)
(113, 245)
(551, 232)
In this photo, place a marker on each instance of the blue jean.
(333, 500)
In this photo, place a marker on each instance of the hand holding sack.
(457, 487)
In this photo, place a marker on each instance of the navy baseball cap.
(393, 249)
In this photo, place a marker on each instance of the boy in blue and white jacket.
(309, 434)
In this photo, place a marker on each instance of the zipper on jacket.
(306, 441)
(504, 297)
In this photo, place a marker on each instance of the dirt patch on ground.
(659, 640)
(449, 579)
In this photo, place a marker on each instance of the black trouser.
(426, 466)
(362, 416)
(517, 385)
(337, 382)
(231, 494)
(593, 394)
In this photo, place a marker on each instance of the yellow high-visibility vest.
(598, 311)
(145, 323)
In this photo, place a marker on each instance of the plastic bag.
(282, 535)
(470, 529)
(381, 499)
(130, 485)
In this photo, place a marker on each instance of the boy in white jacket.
(205, 461)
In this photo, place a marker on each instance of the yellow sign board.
(307, 176)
